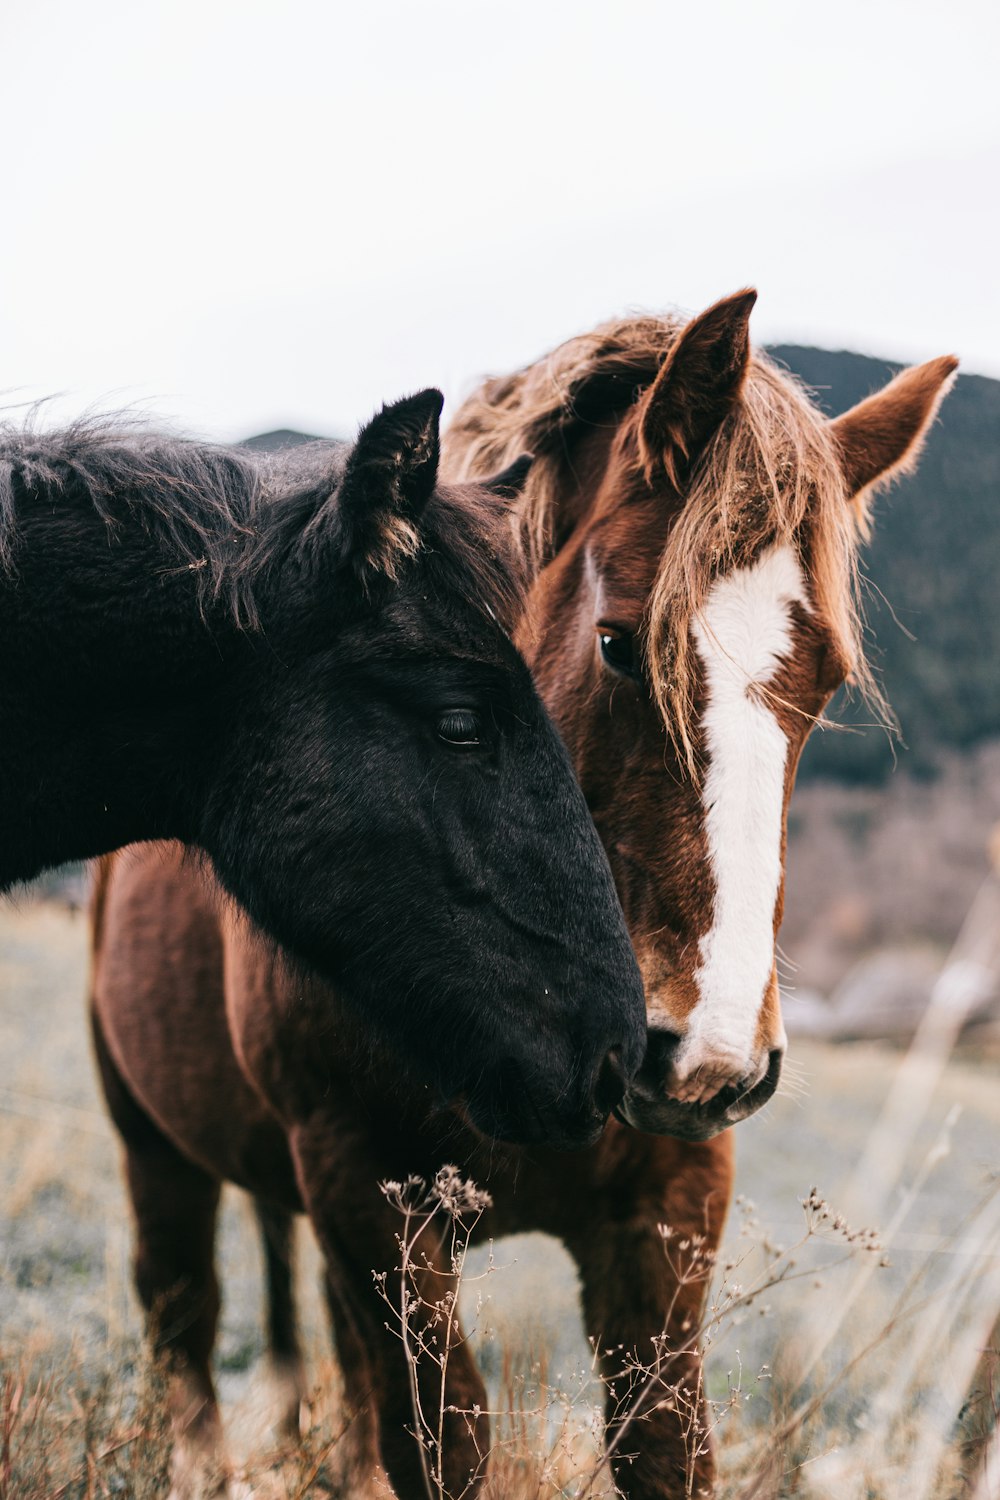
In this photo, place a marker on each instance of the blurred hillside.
(888, 838)
(933, 566)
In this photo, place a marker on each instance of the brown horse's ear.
(509, 483)
(882, 436)
(697, 387)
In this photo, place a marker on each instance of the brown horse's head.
(695, 519)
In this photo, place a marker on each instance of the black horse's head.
(391, 800)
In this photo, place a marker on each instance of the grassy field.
(68, 1314)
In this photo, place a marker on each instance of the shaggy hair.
(770, 476)
(235, 517)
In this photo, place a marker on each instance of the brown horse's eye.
(620, 654)
(460, 726)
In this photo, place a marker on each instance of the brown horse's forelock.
(232, 515)
(770, 476)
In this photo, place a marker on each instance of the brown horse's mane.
(770, 476)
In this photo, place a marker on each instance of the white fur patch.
(742, 635)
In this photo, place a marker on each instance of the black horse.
(299, 664)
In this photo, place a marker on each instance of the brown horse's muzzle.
(647, 1107)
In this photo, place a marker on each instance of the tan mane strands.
(770, 476)
(398, 540)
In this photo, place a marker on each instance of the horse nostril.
(611, 1083)
(661, 1048)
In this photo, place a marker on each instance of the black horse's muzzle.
(519, 1112)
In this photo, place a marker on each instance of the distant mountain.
(273, 442)
(934, 564)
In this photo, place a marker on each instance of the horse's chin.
(681, 1122)
(661, 1115)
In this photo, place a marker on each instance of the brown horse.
(694, 521)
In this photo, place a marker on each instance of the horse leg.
(389, 1378)
(175, 1205)
(644, 1298)
(385, 1379)
(275, 1224)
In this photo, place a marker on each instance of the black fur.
(219, 646)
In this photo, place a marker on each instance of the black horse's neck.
(114, 672)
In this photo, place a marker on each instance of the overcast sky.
(247, 215)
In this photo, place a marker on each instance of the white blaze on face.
(742, 635)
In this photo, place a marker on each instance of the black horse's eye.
(460, 726)
(620, 654)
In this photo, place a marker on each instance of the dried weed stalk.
(538, 1446)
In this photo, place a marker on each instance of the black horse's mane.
(233, 515)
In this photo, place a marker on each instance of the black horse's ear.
(508, 484)
(390, 476)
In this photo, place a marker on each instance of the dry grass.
(80, 1435)
(65, 1435)
(866, 1394)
